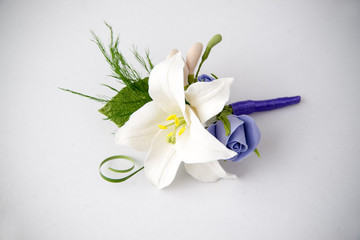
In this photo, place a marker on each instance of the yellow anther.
(181, 131)
(171, 117)
(177, 121)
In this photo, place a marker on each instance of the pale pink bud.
(193, 56)
(172, 53)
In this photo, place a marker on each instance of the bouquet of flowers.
(177, 115)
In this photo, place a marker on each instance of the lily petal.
(209, 98)
(162, 162)
(139, 131)
(166, 84)
(197, 145)
(208, 172)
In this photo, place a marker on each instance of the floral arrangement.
(177, 115)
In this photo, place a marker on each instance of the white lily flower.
(172, 131)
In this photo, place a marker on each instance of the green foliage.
(256, 151)
(214, 76)
(121, 69)
(110, 87)
(212, 43)
(98, 99)
(226, 123)
(126, 102)
(222, 116)
(135, 93)
(145, 63)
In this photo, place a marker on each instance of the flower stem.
(250, 106)
(212, 43)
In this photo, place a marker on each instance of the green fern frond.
(134, 94)
(120, 67)
(98, 99)
(106, 98)
(147, 53)
(140, 59)
(110, 87)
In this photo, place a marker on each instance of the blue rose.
(243, 138)
(205, 78)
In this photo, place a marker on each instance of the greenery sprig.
(212, 43)
(134, 94)
(122, 70)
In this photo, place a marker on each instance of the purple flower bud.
(243, 138)
(205, 78)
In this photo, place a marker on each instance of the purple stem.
(250, 106)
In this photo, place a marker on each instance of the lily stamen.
(171, 117)
(177, 121)
(181, 131)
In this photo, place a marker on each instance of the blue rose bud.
(205, 78)
(243, 138)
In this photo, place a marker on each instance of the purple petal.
(205, 78)
(244, 135)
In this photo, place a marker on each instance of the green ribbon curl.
(117, 180)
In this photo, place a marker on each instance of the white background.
(306, 183)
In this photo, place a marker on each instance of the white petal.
(166, 84)
(162, 162)
(208, 172)
(139, 131)
(209, 98)
(197, 145)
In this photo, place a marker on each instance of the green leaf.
(214, 76)
(257, 152)
(126, 102)
(227, 125)
(222, 116)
